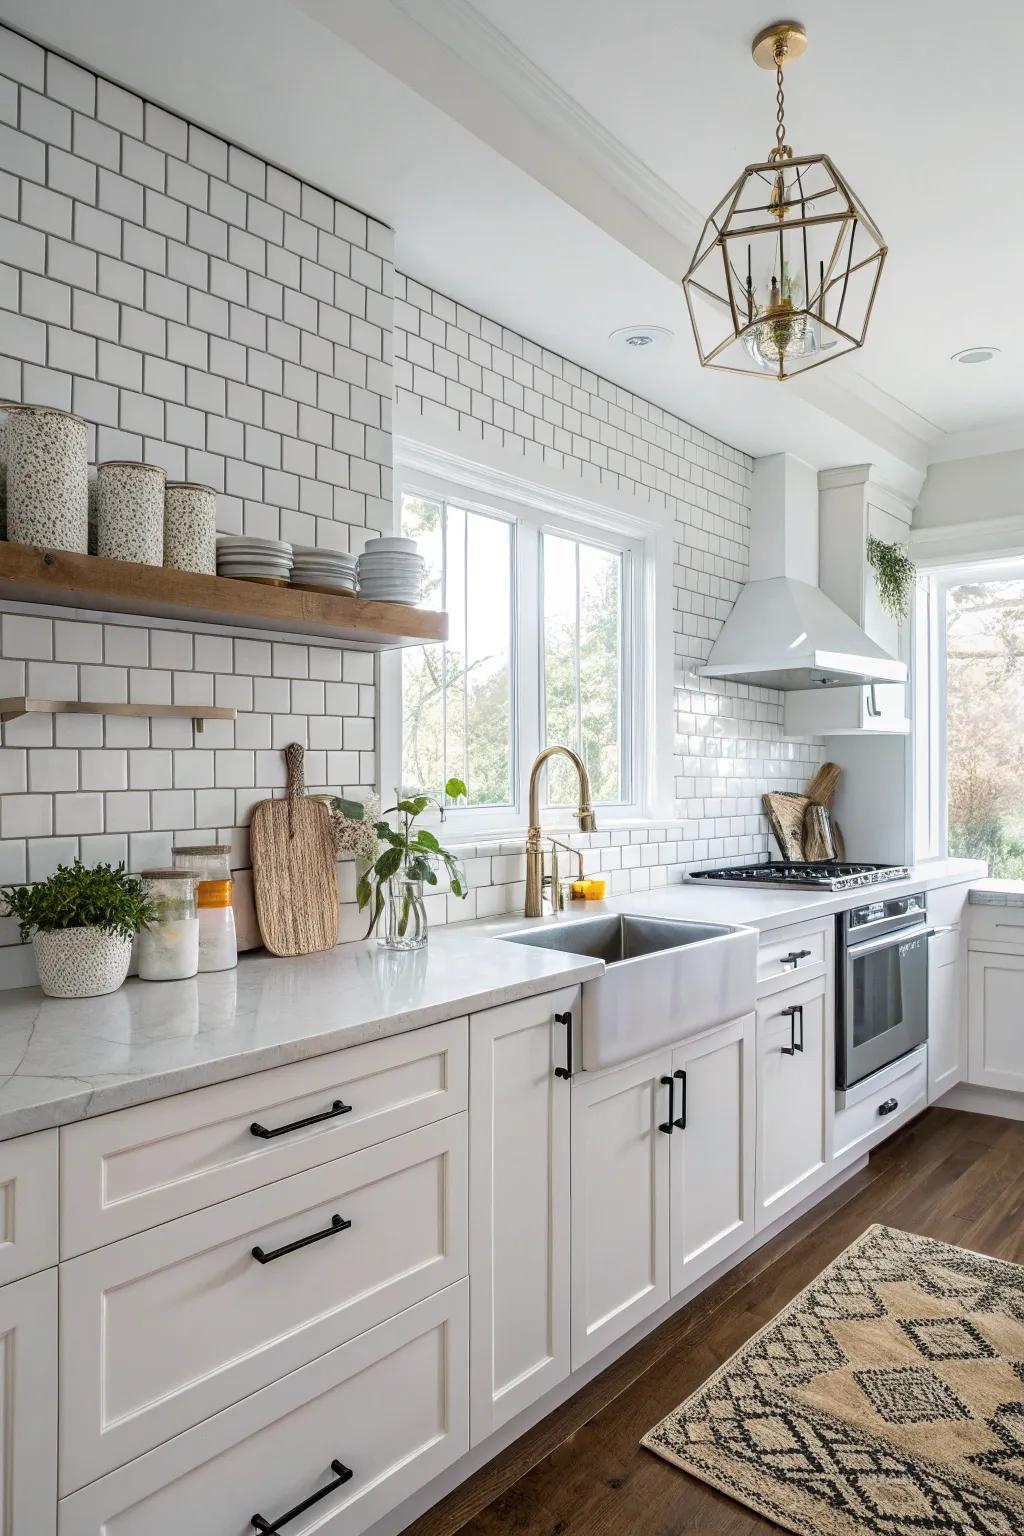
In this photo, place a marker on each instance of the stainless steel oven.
(882, 985)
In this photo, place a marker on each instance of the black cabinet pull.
(337, 1108)
(794, 1044)
(337, 1225)
(342, 1474)
(888, 1107)
(795, 956)
(666, 1125)
(566, 1019)
(680, 1120)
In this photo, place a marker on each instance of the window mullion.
(529, 702)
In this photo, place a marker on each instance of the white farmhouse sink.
(665, 980)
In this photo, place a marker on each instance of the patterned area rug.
(887, 1398)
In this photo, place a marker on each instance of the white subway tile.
(46, 853)
(26, 815)
(149, 768)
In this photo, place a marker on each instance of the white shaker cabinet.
(28, 1390)
(620, 1201)
(712, 1150)
(945, 1011)
(794, 1097)
(995, 1031)
(519, 1203)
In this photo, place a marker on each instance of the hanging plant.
(895, 574)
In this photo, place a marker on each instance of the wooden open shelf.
(30, 574)
(14, 708)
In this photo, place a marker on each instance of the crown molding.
(979, 442)
(485, 48)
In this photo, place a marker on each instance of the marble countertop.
(66, 1060)
(997, 893)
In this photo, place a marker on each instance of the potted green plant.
(391, 884)
(81, 921)
(895, 574)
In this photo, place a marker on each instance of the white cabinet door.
(712, 1150)
(519, 1204)
(620, 1201)
(793, 1097)
(945, 1012)
(995, 1021)
(28, 1391)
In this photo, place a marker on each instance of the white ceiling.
(553, 174)
(920, 106)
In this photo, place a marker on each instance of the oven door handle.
(887, 941)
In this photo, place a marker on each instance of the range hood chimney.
(783, 632)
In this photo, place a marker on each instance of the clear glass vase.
(403, 921)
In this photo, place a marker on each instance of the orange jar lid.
(214, 893)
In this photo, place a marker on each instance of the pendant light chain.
(781, 150)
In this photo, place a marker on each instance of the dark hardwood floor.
(949, 1175)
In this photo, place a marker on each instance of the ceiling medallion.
(786, 269)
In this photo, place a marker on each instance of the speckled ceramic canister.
(94, 509)
(6, 406)
(130, 511)
(190, 527)
(47, 478)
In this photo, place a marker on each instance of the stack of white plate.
(328, 570)
(248, 559)
(391, 571)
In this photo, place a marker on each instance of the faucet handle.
(587, 819)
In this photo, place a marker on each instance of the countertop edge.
(104, 1099)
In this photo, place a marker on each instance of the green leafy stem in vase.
(411, 853)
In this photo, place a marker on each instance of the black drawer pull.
(795, 1010)
(566, 1019)
(888, 1107)
(342, 1474)
(337, 1225)
(680, 1120)
(337, 1108)
(795, 956)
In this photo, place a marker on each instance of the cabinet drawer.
(996, 925)
(946, 905)
(392, 1406)
(169, 1326)
(28, 1204)
(781, 956)
(871, 1119)
(143, 1166)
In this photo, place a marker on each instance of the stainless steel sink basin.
(666, 979)
(614, 939)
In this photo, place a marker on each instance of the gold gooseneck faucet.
(534, 849)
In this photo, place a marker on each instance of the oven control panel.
(907, 907)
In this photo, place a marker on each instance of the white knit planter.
(190, 528)
(47, 478)
(130, 511)
(81, 962)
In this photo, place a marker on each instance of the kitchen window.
(542, 649)
(972, 667)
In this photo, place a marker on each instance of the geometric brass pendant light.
(786, 269)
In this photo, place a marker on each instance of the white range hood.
(783, 632)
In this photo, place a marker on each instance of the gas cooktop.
(827, 875)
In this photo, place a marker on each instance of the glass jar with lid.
(169, 946)
(210, 863)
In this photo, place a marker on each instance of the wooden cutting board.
(293, 868)
(785, 812)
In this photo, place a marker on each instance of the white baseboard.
(418, 1503)
(984, 1101)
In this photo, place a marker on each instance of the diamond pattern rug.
(887, 1399)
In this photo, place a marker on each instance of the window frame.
(533, 510)
(931, 739)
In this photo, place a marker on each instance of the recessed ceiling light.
(641, 338)
(975, 355)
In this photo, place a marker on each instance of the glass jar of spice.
(210, 864)
(169, 947)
